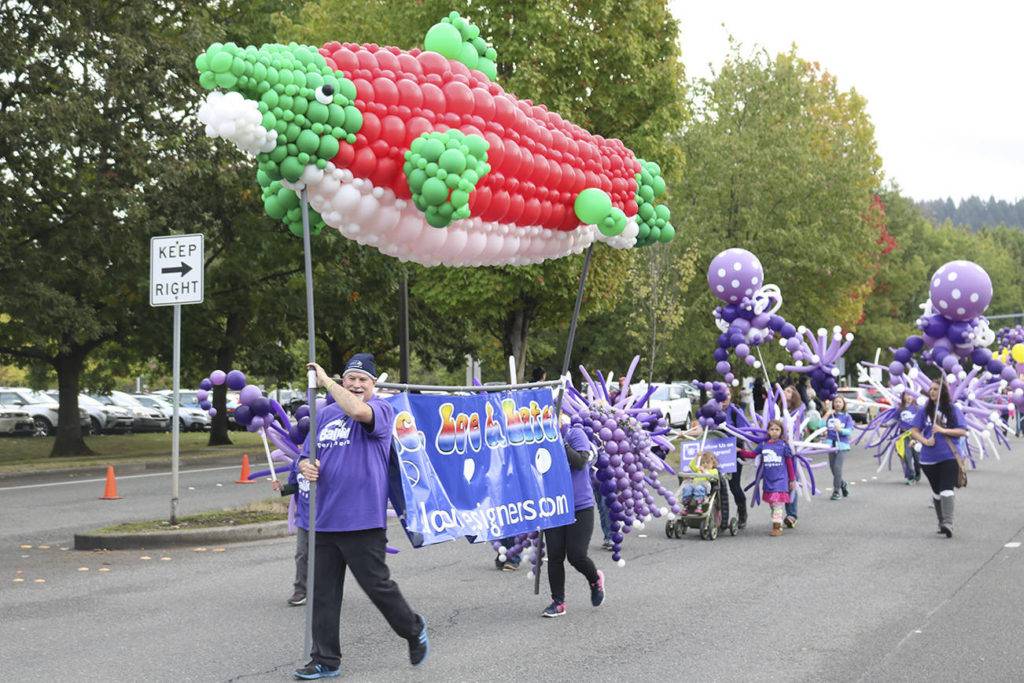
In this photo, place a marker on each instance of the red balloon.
(401, 187)
(516, 205)
(504, 111)
(510, 164)
(371, 127)
(629, 207)
(453, 120)
(497, 208)
(380, 148)
(393, 130)
(567, 179)
(591, 179)
(541, 170)
(386, 60)
(525, 163)
(366, 59)
(544, 137)
(579, 181)
(433, 98)
(470, 129)
(483, 103)
(343, 158)
(364, 163)
(416, 127)
(479, 200)
(409, 64)
(409, 93)
(545, 215)
(432, 63)
(385, 90)
(346, 60)
(531, 212)
(385, 173)
(364, 90)
(459, 69)
(458, 97)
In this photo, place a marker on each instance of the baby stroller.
(707, 517)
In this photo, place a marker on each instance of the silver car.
(15, 421)
(191, 419)
(143, 419)
(104, 419)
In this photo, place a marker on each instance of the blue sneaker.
(420, 647)
(313, 671)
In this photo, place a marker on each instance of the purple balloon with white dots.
(960, 290)
(734, 274)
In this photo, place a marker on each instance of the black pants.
(363, 553)
(570, 541)
(738, 497)
(942, 476)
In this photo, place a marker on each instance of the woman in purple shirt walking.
(937, 430)
(571, 541)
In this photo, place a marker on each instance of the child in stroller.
(700, 494)
(696, 491)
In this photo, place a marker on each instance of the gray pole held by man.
(311, 398)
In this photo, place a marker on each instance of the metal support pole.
(175, 424)
(561, 388)
(311, 399)
(403, 328)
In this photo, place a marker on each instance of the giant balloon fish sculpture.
(748, 317)
(624, 431)
(422, 154)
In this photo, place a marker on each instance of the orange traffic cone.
(110, 488)
(243, 478)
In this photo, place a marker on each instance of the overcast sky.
(944, 81)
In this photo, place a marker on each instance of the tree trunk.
(219, 435)
(513, 342)
(69, 428)
(336, 355)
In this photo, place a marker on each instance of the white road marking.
(1012, 544)
(129, 476)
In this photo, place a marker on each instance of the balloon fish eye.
(325, 93)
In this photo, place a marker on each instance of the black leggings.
(738, 497)
(942, 476)
(570, 541)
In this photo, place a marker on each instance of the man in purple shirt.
(351, 473)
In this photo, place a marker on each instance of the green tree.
(782, 162)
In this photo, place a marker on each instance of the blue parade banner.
(483, 466)
(724, 450)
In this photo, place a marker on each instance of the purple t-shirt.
(775, 457)
(301, 496)
(352, 491)
(941, 450)
(583, 490)
(906, 417)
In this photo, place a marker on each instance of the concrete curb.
(95, 471)
(163, 539)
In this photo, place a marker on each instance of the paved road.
(863, 589)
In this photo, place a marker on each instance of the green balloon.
(226, 80)
(416, 179)
(328, 147)
(646, 211)
(317, 113)
(477, 146)
(662, 212)
(592, 205)
(445, 39)
(208, 80)
(659, 186)
(460, 198)
(469, 56)
(273, 207)
(291, 169)
(667, 233)
(646, 192)
(289, 200)
(307, 141)
(487, 68)
(435, 192)
(432, 149)
(353, 120)
(452, 161)
(437, 220)
(220, 62)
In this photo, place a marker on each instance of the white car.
(672, 399)
(143, 419)
(41, 407)
(190, 419)
(859, 403)
(15, 421)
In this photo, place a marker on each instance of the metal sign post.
(311, 398)
(176, 279)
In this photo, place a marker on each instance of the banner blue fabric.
(723, 449)
(483, 466)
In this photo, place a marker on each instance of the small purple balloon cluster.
(235, 380)
(1008, 337)
(712, 413)
(748, 318)
(955, 334)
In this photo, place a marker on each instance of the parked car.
(188, 399)
(41, 407)
(143, 419)
(15, 421)
(103, 419)
(190, 419)
(672, 399)
(859, 403)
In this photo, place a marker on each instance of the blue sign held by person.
(723, 449)
(484, 466)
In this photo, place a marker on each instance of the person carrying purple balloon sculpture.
(354, 446)
(779, 474)
(937, 427)
(571, 540)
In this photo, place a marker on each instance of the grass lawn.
(269, 510)
(25, 454)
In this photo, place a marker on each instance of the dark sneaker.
(790, 522)
(597, 590)
(420, 647)
(607, 545)
(555, 609)
(510, 566)
(836, 495)
(846, 491)
(313, 671)
(297, 599)
(498, 564)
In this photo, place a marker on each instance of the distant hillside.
(974, 212)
